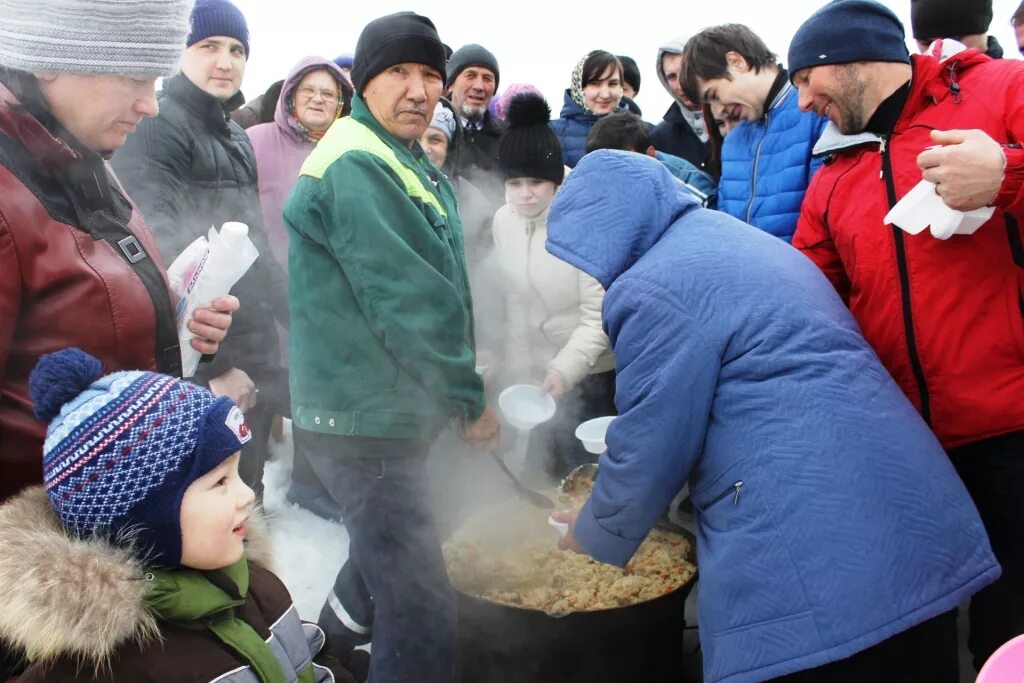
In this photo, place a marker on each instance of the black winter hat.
(931, 19)
(630, 72)
(845, 31)
(529, 148)
(396, 39)
(472, 55)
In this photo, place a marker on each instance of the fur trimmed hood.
(79, 598)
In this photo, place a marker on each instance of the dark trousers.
(553, 450)
(393, 590)
(993, 472)
(926, 653)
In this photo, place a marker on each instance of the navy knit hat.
(218, 18)
(396, 39)
(121, 449)
(529, 148)
(931, 19)
(472, 55)
(845, 31)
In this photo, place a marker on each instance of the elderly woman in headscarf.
(315, 94)
(595, 91)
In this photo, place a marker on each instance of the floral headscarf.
(576, 84)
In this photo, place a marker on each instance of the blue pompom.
(58, 378)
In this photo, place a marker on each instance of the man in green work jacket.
(382, 355)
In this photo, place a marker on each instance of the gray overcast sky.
(536, 41)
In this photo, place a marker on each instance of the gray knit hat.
(127, 37)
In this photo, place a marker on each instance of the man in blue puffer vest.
(829, 517)
(766, 159)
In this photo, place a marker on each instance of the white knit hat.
(128, 37)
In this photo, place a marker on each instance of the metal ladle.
(529, 495)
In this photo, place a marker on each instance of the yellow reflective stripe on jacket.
(348, 135)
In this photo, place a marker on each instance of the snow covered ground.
(308, 550)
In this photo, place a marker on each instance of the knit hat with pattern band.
(121, 37)
(396, 39)
(529, 148)
(845, 31)
(121, 449)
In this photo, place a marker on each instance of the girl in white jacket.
(553, 335)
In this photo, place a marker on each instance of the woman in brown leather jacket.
(78, 266)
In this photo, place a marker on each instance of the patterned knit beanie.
(121, 449)
(218, 18)
(529, 148)
(124, 37)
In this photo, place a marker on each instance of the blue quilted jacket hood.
(767, 165)
(829, 517)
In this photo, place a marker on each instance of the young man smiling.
(190, 168)
(766, 159)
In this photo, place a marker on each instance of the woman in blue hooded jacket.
(829, 517)
(595, 91)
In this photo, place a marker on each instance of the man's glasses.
(310, 92)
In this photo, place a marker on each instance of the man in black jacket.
(682, 132)
(191, 168)
(473, 77)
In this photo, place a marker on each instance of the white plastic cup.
(592, 433)
(525, 406)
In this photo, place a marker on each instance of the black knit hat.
(630, 72)
(396, 39)
(931, 19)
(472, 55)
(529, 148)
(845, 31)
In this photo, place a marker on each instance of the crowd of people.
(841, 395)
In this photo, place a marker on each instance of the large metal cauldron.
(503, 644)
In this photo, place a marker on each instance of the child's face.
(213, 515)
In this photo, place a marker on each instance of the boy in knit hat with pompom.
(132, 562)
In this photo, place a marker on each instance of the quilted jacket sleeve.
(665, 386)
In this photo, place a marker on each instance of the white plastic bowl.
(592, 432)
(525, 406)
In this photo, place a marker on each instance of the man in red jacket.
(945, 316)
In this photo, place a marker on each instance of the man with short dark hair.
(681, 131)
(192, 167)
(626, 131)
(944, 315)
(383, 356)
(1018, 26)
(766, 159)
(473, 78)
